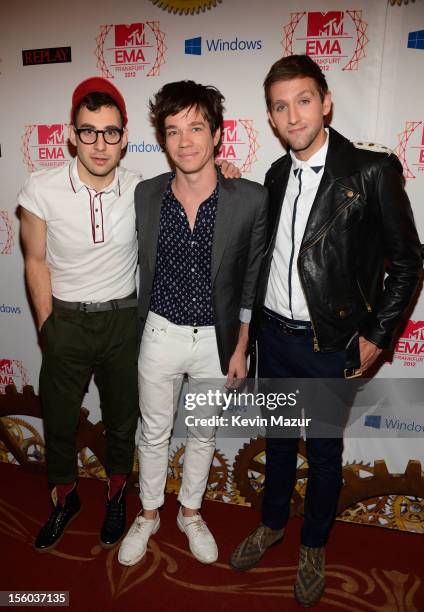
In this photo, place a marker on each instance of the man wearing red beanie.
(78, 230)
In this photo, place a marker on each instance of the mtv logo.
(51, 134)
(371, 420)
(325, 24)
(6, 366)
(229, 132)
(132, 35)
(193, 46)
(414, 330)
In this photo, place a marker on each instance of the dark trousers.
(75, 345)
(288, 356)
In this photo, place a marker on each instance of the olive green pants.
(76, 345)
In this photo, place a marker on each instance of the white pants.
(169, 351)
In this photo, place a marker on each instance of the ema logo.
(45, 146)
(6, 233)
(130, 50)
(410, 346)
(332, 39)
(239, 143)
(12, 372)
(372, 420)
(410, 149)
(10, 309)
(416, 40)
(193, 46)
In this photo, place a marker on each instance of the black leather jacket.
(360, 226)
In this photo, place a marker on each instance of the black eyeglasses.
(110, 135)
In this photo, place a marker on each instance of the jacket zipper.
(315, 339)
(326, 226)
(324, 229)
(367, 304)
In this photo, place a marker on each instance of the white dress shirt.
(284, 291)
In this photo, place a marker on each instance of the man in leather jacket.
(338, 213)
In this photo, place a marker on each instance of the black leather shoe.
(115, 519)
(63, 514)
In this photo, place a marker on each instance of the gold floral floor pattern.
(368, 569)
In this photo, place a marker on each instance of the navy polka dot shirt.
(182, 290)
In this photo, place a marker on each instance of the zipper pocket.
(367, 304)
(327, 225)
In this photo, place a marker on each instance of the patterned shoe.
(310, 581)
(249, 552)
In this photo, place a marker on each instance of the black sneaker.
(115, 519)
(50, 534)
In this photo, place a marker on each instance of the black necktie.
(314, 168)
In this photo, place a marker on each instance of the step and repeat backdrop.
(373, 57)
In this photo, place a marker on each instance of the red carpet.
(368, 569)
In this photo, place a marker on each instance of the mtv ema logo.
(239, 143)
(335, 39)
(130, 50)
(45, 146)
(6, 233)
(410, 149)
(12, 372)
(410, 347)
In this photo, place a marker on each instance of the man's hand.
(237, 369)
(368, 352)
(43, 320)
(229, 170)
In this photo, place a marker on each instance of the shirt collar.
(77, 184)
(317, 159)
(170, 193)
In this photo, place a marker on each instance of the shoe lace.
(114, 510)
(198, 524)
(53, 517)
(258, 537)
(313, 559)
(140, 525)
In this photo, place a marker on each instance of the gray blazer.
(238, 245)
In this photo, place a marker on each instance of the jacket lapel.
(331, 191)
(223, 222)
(151, 223)
(276, 184)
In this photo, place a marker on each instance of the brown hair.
(175, 97)
(294, 67)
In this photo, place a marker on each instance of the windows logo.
(372, 420)
(416, 40)
(193, 46)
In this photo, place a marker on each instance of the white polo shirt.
(284, 291)
(91, 237)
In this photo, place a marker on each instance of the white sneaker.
(201, 541)
(134, 545)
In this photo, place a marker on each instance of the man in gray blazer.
(201, 241)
